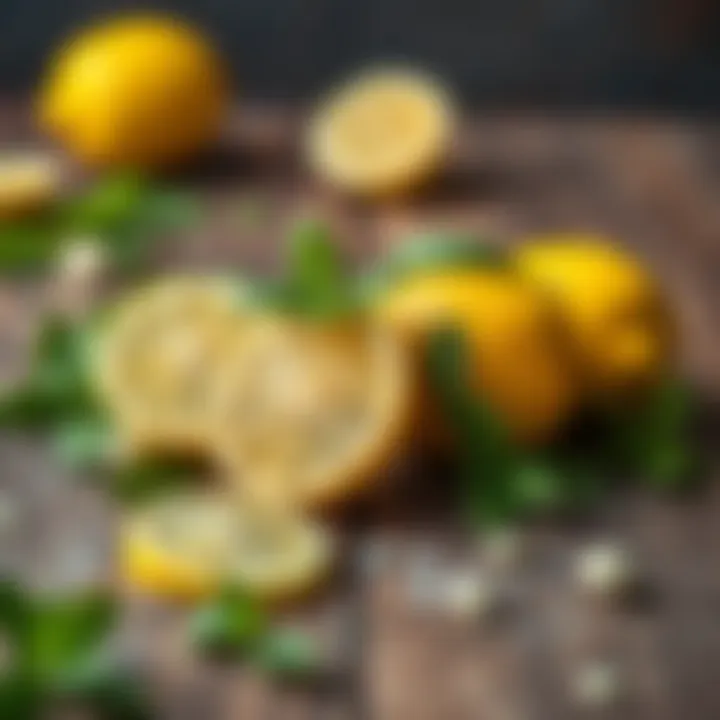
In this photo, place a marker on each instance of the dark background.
(626, 53)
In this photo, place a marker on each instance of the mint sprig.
(234, 625)
(123, 213)
(501, 481)
(58, 653)
(315, 283)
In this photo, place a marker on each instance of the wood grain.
(653, 183)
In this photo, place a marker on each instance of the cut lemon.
(383, 133)
(189, 546)
(154, 359)
(28, 182)
(312, 411)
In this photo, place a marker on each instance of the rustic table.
(654, 183)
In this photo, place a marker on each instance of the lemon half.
(383, 133)
(313, 412)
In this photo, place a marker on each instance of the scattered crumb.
(82, 260)
(605, 569)
(467, 595)
(596, 684)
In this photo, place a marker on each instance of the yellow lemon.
(383, 133)
(28, 182)
(153, 361)
(616, 318)
(312, 412)
(138, 91)
(186, 547)
(517, 361)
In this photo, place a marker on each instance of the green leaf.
(29, 244)
(124, 212)
(146, 479)
(653, 435)
(21, 698)
(489, 462)
(68, 629)
(233, 624)
(84, 442)
(316, 284)
(289, 654)
(430, 252)
(55, 387)
(108, 689)
(15, 613)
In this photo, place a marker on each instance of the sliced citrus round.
(154, 357)
(316, 410)
(382, 133)
(187, 547)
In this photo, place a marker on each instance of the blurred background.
(659, 54)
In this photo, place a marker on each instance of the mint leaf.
(55, 387)
(289, 654)
(315, 283)
(488, 461)
(431, 252)
(124, 212)
(68, 629)
(84, 442)
(148, 478)
(233, 624)
(105, 687)
(653, 436)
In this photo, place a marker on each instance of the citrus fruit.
(153, 360)
(517, 362)
(312, 411)
(187, 547)
(139, 90)
(28, 182)
(382, 133)
(616, 318)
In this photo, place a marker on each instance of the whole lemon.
(616, 318)
(518, 365)
(142, 91)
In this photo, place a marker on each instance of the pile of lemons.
(299, 415)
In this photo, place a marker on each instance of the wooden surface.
(656, 184)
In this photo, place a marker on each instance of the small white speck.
(467, 595)
(597, 684)
(605, 569)
(82, 260)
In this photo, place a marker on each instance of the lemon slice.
(154, 359)
(28, 182)
(187, 547)
(316, 410)
(383, 133)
